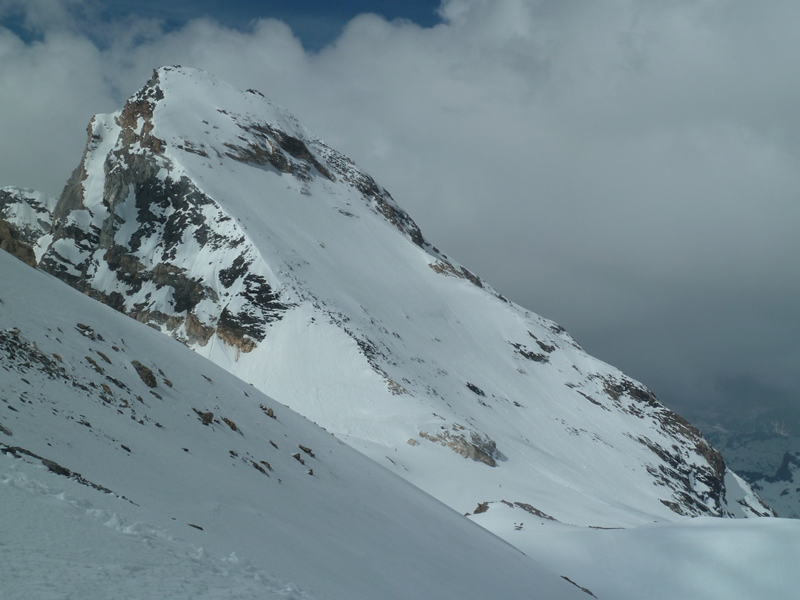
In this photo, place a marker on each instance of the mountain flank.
(213, 216)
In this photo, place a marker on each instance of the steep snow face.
(130, 467)
(212, 215)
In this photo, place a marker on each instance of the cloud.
(42, 15)
(627, 168)
(49, 91)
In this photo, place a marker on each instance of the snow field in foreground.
(703, 558)
(56, 544)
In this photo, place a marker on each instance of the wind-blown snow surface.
(214, 216)
(703, 558)
(111, 488)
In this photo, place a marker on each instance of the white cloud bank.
(626, 168)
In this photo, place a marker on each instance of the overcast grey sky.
(626, 168)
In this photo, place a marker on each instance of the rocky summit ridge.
(213, 216)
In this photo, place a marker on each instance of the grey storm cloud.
(628, 169)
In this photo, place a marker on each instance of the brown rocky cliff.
(10, 242)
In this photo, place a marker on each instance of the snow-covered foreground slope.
(703, 558)
(131, 467)
(212, 215)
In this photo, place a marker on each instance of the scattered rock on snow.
(482, 508)
(145, 374)
(306, 450)
(231, 424)
(56, 468)
(206, 417)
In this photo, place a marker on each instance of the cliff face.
(213, 216)
(25, 223)
(130, 229)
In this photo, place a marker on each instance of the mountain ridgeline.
(212, 215)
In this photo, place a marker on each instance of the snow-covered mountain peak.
(213, 216)
(192, 112)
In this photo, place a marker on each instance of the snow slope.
(712, 559)
(214, 216)
(131, 467)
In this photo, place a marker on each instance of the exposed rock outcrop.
(469, 444)
(11, 242)
(137, 221)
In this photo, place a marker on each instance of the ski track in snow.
(60, 546)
